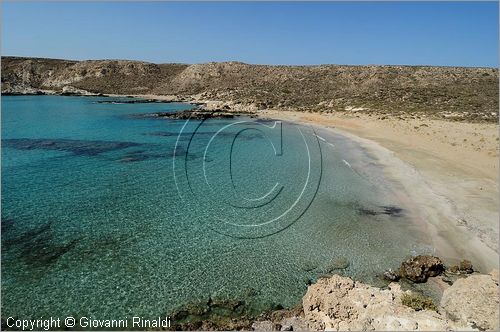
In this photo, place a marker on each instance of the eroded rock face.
(473, 301)
(339, 303)
(69, 91)
(420, 268)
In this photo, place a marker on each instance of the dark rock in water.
(6, 224)
(77, 147)
(214, 314)
(195, 114)
(308, 281)
(391, 275)
(9, 239)
(465, 267)
(133, 101)
(141, 155)
(392, 211)
(229, 315)
(246, 135)
(42, 254)
(388, 210)
(445, 278)
(37, 246)
(367, 212)
(420, 268)
(309, 266)
(249, 292)
(337, 264)
(198, 115)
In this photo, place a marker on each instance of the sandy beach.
(448, 170)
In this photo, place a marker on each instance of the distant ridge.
(438, 91)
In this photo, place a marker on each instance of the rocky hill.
(444, 92)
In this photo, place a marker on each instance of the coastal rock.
(494, 275)
(391, 275)
(265, 325)
(22, 89)
(465, 267)
(72, 91)
(134, 101)
(339, 303)
(192, 114)
(420, 268)
(473, 301)
(294, 323)
(282, 320)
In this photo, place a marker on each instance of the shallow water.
(108, 214)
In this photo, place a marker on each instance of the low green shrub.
(418, 302)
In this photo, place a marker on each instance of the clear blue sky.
(448, 33)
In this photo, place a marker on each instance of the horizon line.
(250, 64)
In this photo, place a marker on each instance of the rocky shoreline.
(467, 301)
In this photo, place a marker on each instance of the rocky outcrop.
(196, 114)
(21, 89)
(420, 268)
(339, 303)
(72, 91)
(282, 320)
(465, 267)
(473, 301)
(132, 101)
(442, 92)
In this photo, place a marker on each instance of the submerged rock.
(420, 268)
(391, 275)
(72, 91)
(465, 267)
(77, 147)
(389, 210)
(196, 114)
(38, 247)
(133, 101)
(337, 264)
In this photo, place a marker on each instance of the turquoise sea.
(109, 213)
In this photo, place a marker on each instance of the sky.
(289, 33)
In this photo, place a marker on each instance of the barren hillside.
(444, 92)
